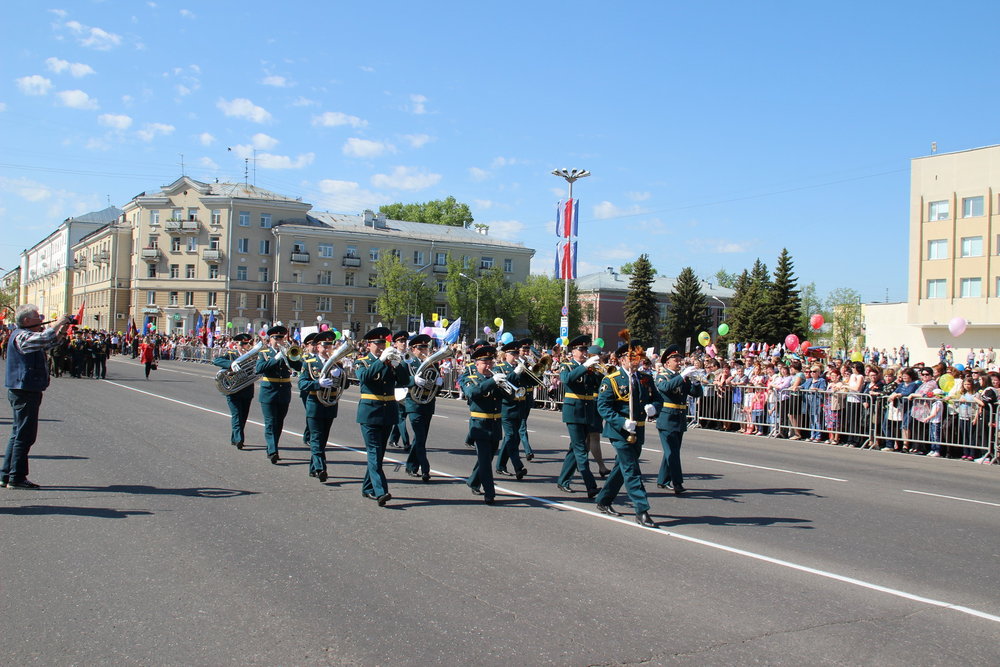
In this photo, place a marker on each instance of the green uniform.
(239, 402)
(304, 397)
(420, 420)
(275, 394)
(672, 422)
(613, 406)
(579, 413)
(512, 419)
(377, 412)
(484, 427)
(319, 417)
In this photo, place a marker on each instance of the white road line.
(938, 495)
(790, 472)
(663, 533)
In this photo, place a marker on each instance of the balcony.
(351, 261)
(150, 254)
(300, 257)
(102, 257)
(212, 255)
(440, 268)
(81, 263)
(182, 226)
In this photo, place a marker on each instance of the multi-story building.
(46, 267)
(102, 272)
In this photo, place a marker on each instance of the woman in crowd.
(146, 354)
(968, 420)
(900, 399)
(872, 404)
(778, 400)
(795, 399)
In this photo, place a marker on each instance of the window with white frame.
(243, 246)
(936, 288)
(244, 218)
(213, 271)
(213, 299)
(188, 298)
(177, 214)
(326, 277)
(348, 305)
(323, 304)
(395, 253)
(349, 279)
(154, 241)
(213, 242)
(325, 250)
(298, 247)
(263, 274)
(972, 246)
(937, 210)
(418, 257)
(175, 270)
(173, 299)
(485, 262)
(242, 300)
(296, 276)
(351, 251)
(508, 265)
(154, 217)
(150, 298)
(175, 244)
(265, 247)
(216, 216)
(241, 273)
(192, 214)
(296, 303)
(192, 244)
(442, 286)
(265, 220)
(971, 288)
(373, 254)
(372, 309)
(189, 270)
(440, 258)
(972, 207)
(937, 249)
(466, 262)
(372, 280)
(261, 301)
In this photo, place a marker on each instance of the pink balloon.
(816, 321)
(324, 327)
(487, 331)
(957, 326)
(791, 342)
(428, 331)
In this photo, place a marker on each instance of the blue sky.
(716, 132)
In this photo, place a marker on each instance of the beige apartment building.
(101, 276)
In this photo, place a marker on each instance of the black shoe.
(489, 500)
(565, 488)
(476, 491)
(608, 509)
(503, 473)
(470, 444)
(369, 496)
(4, 480)
(413, 473)
(529, 457)
(239, 445)
(678, 490)
(604, 473)
(322, 476)
(591, 494)
(274, 458)
(405, 448)
(521, 473)
(426, 477)
(23, 484)
(382, 500)
(644, 520)
(312, 473)
(391, 444)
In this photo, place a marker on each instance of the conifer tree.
(736, 316)
(686, 316)
(786, 304)
(759, 322)
(641, 308)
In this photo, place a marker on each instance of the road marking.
(660, 532)
(790, 472)
(938, 495)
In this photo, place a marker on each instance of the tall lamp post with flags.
(567, 224)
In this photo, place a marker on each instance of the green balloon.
(337, 335)
(599, 342)
(723, 329)
(229, 325)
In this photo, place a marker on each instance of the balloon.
(957, 326)
(319, 318)
(487, 331)
(723, 329)
(856, 356)
(959, 367)
(444, 323)
(791, 342)
(152, 327)
(565, 340)
(704, 339)
(54, 316)
(324, 327)
(804, 346)
(507, 338)
(816, 321)
(427, 330)
(599, 342)
(229, 325)
(337, 335)
(498, 322)
(946, 382)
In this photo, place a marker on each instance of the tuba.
(229, 382)
(429, 371)
(329, 396)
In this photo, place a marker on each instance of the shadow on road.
(59, 457)
(710, 520)
(194, 492)
(735, 495)
(98, 512)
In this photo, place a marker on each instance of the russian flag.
(566, 260)
(568, 218)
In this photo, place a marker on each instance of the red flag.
(79, 320)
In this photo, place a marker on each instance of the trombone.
(538, 367)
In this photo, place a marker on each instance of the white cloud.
(508, 230)
(364, 148)
(152, 130)
(419, 104)
(606, 211)
(478, 174)
(60, 202)
(76, 70)
(366, 68)
(183, 90)
(269, 161)
(3, 106)
(405, 178)
(417, 140)
(263, 142)
(723, 246)
(276, 81)
(503, 162)
(76, 99)
(638, 196)
(206, 139)
(98, 144)
(336, 118)
(348, 196)
(208, 163)
(35, 84)
(61, 13)
(304, 102)
(187, 13)
(484, 203)
(244, 108)
(115, 121)
(94, 38)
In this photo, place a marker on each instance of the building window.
(154, 217)
(151, 270)
(440, 259)
(192, 244)
(265, 220)
(972, 246)
(508, 266)
(243, 246)
(175, 244)
(442, 287)
(326, 277)
(418, 257)
(371, 307)
(242, 301)
(262, 274)
(213, 271)
(466, 262)
(936, 289)
(395, 253)
(188, 298)
(971, 288)
(150, 298)
(352, 251)
(937, 210)
(485, 262)
(261, 301)
(189, 271)
(298, 247)
(241, 273)
(192, 214)
(296, 277)
(216, 216)
(177, 214)
(323, 304)
(325, 250)
(213, 299)
(213, 242)
(296, 303)
(173, 299)
(348, 305)
(175, 270)
(349, 279)
(244, 218)
(972, 207)
(937, 249)
(265, 247)
(154, 241)
(373, 254)
(372, 280)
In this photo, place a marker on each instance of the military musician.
(319, 417)
(275, 369)
(484, 395)
(308, 350)
(579, 412)
(511, 410)
(420, 414)
(529, 398)
(674, 386)
(398, 433)
(240, 401)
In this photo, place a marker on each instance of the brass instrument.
(329, 396)
(537, 369)
(508, 386)
(429, 371)
(229, 381)
(289, 352)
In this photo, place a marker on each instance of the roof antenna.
(182, 163)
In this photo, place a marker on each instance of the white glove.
(439, 381)
(420, 381)
(499, 377)
(336, 371)
(235, 367)
(688, 371)
(326, 383)
(387, 354)
(519, 369)
(630, 426)
(596, 359)
(395, 361)
(650, 410)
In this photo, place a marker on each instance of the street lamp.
(476, 332)
(723, 303)
(571, 175)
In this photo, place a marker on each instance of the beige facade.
(101, 276)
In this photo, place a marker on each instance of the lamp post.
(571, 175)
(476, 332)
(723, 303)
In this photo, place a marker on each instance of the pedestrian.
(146, 357)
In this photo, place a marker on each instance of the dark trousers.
(626, 471)
(417, 461)
(398, 431)
(375, 436)
(670, 466)
(577, 458)
(319, 432)
(239, 411)
(523, 431)
(306, 438)
(274, 422)
(149, 367)
(482, 472)
(511, 446)
(24, 430)
(101, 367)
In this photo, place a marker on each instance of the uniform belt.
(376, 397)
(676, 406)
(276, 379)
(582, 397)
(484, 415)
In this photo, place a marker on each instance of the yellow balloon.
(704, 339)
(856, 356)
(444, 323)
(498, 321)
(565, 340)
(54, 316)
(946, 382)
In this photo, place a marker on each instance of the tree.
(641, 308)
(542, 299)
(11, 294)
(725, 279)
(438, 212)
(810, 306)
(785, 305)
(686, 316)
(496, 298)
(629, 267)
(750, 317)
(844, 305)
(736, 316)
(404, 291)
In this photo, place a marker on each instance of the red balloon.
(816, 321)
(791, 342)
(804, 346)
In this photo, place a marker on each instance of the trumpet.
(289, 352)
(534, 373)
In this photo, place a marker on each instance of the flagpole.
(570, 175)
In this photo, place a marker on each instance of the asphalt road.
(155, 542)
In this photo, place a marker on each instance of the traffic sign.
(565, 311)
